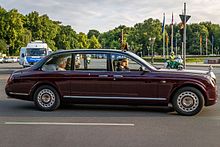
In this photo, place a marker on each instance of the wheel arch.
(194, 85)
(39, 84)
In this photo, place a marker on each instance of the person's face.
(62, 63)
(124, 63)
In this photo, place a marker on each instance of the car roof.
(88, 50)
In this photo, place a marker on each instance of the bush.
(191, 59)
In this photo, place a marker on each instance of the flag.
(206, 45)
(200, 40)
(172, 19)
(171, 34)
(163, 25)
(212, 43)
(213, 40)
(167, 40)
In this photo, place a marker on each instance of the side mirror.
(22, 55)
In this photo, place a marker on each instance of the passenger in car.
(123, 65)
(61, 64)
(68, 64)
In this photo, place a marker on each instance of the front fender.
(196, 84)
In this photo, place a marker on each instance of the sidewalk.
(193, 64)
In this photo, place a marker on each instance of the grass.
(190, 59)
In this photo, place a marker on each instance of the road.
(21, 125)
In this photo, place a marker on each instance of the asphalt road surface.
(21, 125)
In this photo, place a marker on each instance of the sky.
(104, 15)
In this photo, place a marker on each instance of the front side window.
(124, 63)
(90, 62)
(58, 63)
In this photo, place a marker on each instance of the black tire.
(180, 67)
(188, 101)
(46, 98)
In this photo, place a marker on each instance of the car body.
(8, 60)
(1, 60)
(93, 80)
(15, 59)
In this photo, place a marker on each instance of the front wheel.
(46, 98)
(188, 101)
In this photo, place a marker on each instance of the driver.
(123, 65)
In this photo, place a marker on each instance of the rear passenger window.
(90, 62)
(58, 63)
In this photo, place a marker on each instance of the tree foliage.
(3, 46)
(96, 33)
(66, 38)
(94, 43)
(16, 30)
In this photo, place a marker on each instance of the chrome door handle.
(103, 76)
(117, 76)
(163, 81)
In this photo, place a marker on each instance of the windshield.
(36, 52)
(142, 60)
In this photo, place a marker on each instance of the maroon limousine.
(115, 77)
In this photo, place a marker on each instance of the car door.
(90, 78)
(133, 83)
(58, 72)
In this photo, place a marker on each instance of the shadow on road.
(17, 108)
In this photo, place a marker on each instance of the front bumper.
(212, 96)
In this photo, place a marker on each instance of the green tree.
(96, 33)
(14, 27)
(2, 22)
(111, 39)
(66, 38)
(42, 28)
(83, 41)
(3, 48)
(140, 35)
(50, 30)
(33, 23)
(94, 43)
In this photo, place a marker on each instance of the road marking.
(68, 124)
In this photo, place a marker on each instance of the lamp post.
(184, 19)
(152, 40)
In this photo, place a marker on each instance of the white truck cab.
(33, 52)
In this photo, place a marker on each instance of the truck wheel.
(188, 101)
(46, 98)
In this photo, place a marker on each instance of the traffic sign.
(182, 18)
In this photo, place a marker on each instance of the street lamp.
(152, 40)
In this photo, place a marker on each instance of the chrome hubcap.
(46, 98)
(188, 101)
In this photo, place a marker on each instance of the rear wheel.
(46, 98)
(188, 101)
